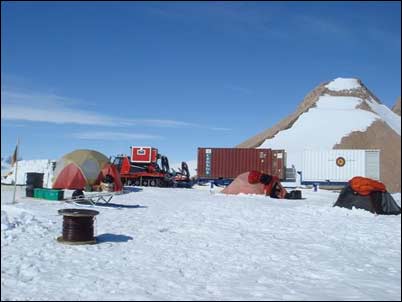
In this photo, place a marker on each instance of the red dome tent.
(82, 169)
(111, 170)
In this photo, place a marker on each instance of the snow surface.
(390, 117)
(340, 84)
(193, 244)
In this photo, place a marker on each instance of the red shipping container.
(218, 163)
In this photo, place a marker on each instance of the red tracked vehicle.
(142, 169)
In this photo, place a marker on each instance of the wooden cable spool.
(78, 226)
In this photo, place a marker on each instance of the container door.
(373, 164)
(278, 164)
(208, 162)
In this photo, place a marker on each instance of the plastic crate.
(38, 193)
(48, 194)
(53, 194)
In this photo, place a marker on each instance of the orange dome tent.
(79, 169)
(111, 170)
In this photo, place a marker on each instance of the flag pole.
(16, 169)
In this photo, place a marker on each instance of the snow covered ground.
(191, 244)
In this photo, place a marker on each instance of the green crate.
(48, 194)
(53, 194)
(38, 193)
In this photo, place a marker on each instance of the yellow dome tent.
(79, 169)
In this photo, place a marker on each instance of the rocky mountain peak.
(397, 107)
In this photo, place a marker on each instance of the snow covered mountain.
(341, 114)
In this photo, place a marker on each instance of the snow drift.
(188, 244)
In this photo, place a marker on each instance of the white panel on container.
(332, 165)
(373, 164)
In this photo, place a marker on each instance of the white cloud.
(54, 115)
(52, 108)
(157, 123)
(109, 135)
(228, 17)
(320, 25)
(220, 129)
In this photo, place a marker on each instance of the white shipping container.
(339, 165)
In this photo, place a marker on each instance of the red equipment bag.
(272, 186)
(254, 177)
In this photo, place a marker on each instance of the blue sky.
(179, 75)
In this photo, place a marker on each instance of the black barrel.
(29, 191)
(35, 179)
(294, 194)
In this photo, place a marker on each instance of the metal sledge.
(95, 200)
